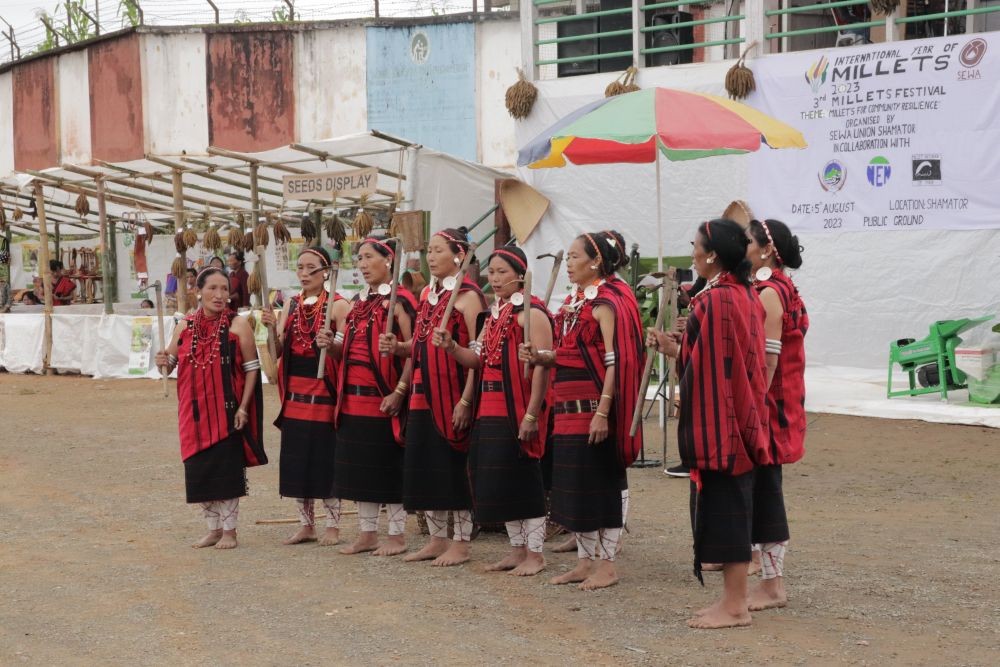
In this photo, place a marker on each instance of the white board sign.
(354, 183)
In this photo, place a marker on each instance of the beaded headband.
(511, 256)
(313, 251)
(593, 244)
(452, 239)
(708, 229)
(207, 269)
(777, 255)
(381, 244)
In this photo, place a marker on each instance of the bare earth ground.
(895, 559)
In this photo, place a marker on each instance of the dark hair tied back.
(514, 257)
(457, 239)
(610, 245)
(729, 242)
(207, 273)
(786, 243)
(380, 247)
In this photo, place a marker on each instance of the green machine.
(986, 389)
(936, 349)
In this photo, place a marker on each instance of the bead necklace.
(496, 330)
(571, 311)
(307, 322)
(430, 310)
(712, 282)
(205, 344)
(364, 312)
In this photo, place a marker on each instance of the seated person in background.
(62, 287)
(146, 303)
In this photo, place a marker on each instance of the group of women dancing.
(446, 409)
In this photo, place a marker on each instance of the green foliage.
(280, 14)
(129, 11)
(241, 16)
(78, 25)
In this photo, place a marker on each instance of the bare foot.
(510, 561)
(211, 538)
(604, 575)
(394, 545)
(228, 540)
(574, 576)
(305, 534)
(430, 551)
(456, 554)
(367, 541)
(718, 617)
(566, 546)
(330, 537)
(769, 594)
(533, 564)
(754, 563)
(705, 610)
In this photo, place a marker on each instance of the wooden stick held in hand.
(164, 371)
(397, 261)
(556, 265)
(331, 293)
(665, 284)
(270, 367)
(527, 319)
(459, 278)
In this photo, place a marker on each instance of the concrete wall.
(116, 118)
(6, 123)
(330, 82)
(74, 111)
(176, 114)
(498, 56)
(36, 131)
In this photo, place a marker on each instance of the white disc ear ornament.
(432, 298)
(310, 300)
(517, 299)
(763, 273)
(495, 311)
(384, 289)
(449, 283)
(590, 293)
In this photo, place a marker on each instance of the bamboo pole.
(178, 192)
(102, 216)
(328, 317)
(164, 370)
(668, 280)
(459, 279)
(43, 259)
(271, 369)
(527, 319)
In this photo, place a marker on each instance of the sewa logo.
(972, 53)
(879, 171)
(816, 74)
(833, 176)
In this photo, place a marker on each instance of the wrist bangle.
(530, 417)
(241, 410)
(465, 402)
(602, 414)
(398, 391)
(402, 386)
(608, 396)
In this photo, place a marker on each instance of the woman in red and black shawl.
(512, 417)
(722, 426)
(239, 282)
(435, 479)
(308, 439)
(371, 410)
(772, 249)
(218, 404)
(598, 361)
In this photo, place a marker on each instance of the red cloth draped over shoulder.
(285, 361)
(442, 377)
(786, 396)
(364, 329)
(62, 291)
(239, 290)
(517, 389)
(722, 424)
(208, 397)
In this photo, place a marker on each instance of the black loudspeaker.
(670, 37)
(577, 49)
(618, 43)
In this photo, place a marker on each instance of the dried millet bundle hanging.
(211, 240)
(260, 235)
(363, 222)
(18, 213)
(520, 97)
(190, 236)
(248, 228)
(235, 237)
(623, 84)
(307, 228)
(335, 229)
(253, 281)
(82, 206)
(179, 266)
(281, 233)
(739, 79)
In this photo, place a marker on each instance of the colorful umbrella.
(683, 125)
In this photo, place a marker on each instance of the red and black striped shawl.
(386, 369)
(443, 377)
(722, 424)
(207, 398)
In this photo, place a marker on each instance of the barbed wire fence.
(69, 22)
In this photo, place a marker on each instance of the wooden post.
(164, 371)
(43, 259)
(102, 216)
(178, 183)
(254, 192)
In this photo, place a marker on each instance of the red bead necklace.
(307, 321)
(495, 332)
(205, 339)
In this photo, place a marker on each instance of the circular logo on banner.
(973, 52)
(879, 171)
(833, 176)
(420, 48)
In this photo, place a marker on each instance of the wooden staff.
(527, 319)
(332, 291)
(556, 264)
(271, 371)
(397, 261)
(164, 370)
(459, 278)
(668, 279)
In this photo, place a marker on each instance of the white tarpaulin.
(901, 136)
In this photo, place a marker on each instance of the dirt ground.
(895, 559)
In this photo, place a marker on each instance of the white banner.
(902, 135)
